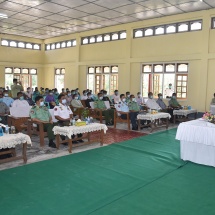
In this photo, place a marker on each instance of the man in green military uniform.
(40, 113)
(107, 113)
(135, 108)
(173, 103)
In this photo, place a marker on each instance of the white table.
(74, 130)
(9, 141)
(155, 120)
(197, 141)
(185, 113)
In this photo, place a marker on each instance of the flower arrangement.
(209, 117)
(85, 113)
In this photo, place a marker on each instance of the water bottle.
(1, 131)
(7, 129)
(13, 130)
(73, 122)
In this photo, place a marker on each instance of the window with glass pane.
(91, 70)
(138, 33)
(114, 83)
(85, 41)
(182, 67)
(181, 86)
(213, 23)
(148, 32)
(146, 84)
(8, 80)
(114, 69)
(157, 84)
(13, 44)
(168, 79)
(47, 47)
(62, 71)
(69, 44)
(74, 43)
(63, 44)
(59, 82)
(92, 39)
(170, 29)
(115, 36)
(196, 26)
(29, 46)
(57, 71)
(159, 30)
(17, 71)
(169, 67)
(33, 71)
(106, 69)
(4, 43)
(8, 70)
(98, 83)
(53, 46)
(57, 45)
(25, 71)
(99, 38)
(158, 68)
(182, 27)
(147, 68)
(107, 37)
(21, 45)
(122, 35)
(98, 70)
(90, 82)
(36, 46)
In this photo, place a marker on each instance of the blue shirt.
(122, 106)
(8, 101)
(161, 103)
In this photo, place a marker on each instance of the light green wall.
(197, 48)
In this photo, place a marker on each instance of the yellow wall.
(196, 48)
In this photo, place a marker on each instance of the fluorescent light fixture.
(3, 16)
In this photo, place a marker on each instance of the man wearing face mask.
(84, 96)
(20, 102)
(127, 95)
(88, 100)
(40, 113)
(76, 103)
(151, 103)
(64, 114)
(107, 113)
(173, 103)
(105, 96)
(160, 102)
(168, 92)
(50, 99)
(35, 94)
(68, 98)
(122, 106)
(4, 109)
(6, 99)
(116, 97)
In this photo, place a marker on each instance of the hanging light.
(4, 16)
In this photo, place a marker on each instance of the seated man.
(107, 113)
(151, 103)
(6, 99)
(127, 95)
(213, 100)
(64, 114)
(76, 103)
(84, 96)
(139, 99)
(105, 96)
(4, 110)
(134, 108)
(160, 102)
(122, 106)
(50, 99)
(40, 113)
(88, 100)
(20, 102)
(173, 103)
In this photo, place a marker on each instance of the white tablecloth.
(70, 130)
(11, 140)
(184, 112)
(152, 117)
(197, 141)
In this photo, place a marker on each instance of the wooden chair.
(118, 119)
(38, 130)
(83, 103)
(77, 111)
(95, 113)
(20, 123)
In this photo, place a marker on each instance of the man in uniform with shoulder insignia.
(40, 113)
(107, 113)
(64, 114)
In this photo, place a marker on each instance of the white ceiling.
(49, 18)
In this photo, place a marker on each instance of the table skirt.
(198, 153)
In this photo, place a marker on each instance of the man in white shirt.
(169, 91)
(29, 93)
(20, 102)
(84, 96)
(115, 97)
(64, 114)
(151, 103)
(139, 99)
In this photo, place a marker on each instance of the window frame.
(60, 42)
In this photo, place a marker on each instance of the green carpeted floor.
(140, 176)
